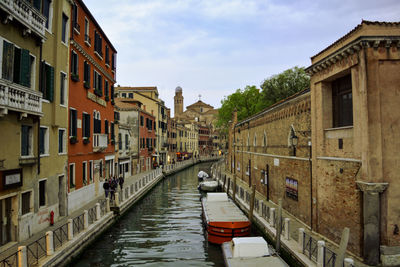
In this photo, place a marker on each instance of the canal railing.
(315, 250)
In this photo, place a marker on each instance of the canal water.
(163, 229)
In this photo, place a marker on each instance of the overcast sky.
(214, 47)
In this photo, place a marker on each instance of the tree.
(283, 85)
(247, 102)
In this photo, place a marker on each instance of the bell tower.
(178, 101)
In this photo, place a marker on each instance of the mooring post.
(234, 188)
(229, 182)
(253, 197)
(342, 248)
(279, 226)
(223, 188)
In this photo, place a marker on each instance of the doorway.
(6, 212)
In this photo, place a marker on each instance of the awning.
(154, 155)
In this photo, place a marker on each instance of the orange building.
(91, 107)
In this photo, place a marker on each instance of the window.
(87, 36)
(130, 95)
(86, 74)
(75, 18)
(17, 64)
(113, 61)
(97, 83)
(86, 125)
(106, 128)
(61, 141)
(107, 56)
(141, 120)
(112, 131)
(96, 122)
(124, 95)
(44, 140)
(84, 172)
(42, 193)
(73, 122)
(74, 65)
(342, 102)
(101, 168)
(112, 92)
(126, 142)
(47, 87)
(91, 170)
(72, 175)
(119, 141)
(63, 77)
(64, 31)
(47, 12)
(106, 92)
(26, 140)
(98, 46)
(25, 202)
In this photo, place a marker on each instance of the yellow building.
(33, 41)
(154, 105)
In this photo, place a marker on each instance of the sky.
(214, 47)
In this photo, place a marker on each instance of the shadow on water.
(162, 229)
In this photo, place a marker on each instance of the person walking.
(121, 182)
(106, 187)
(112, 188)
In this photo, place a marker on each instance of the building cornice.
(352, 48)
(91, 60)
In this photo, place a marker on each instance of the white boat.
(250, 252)
(202, 175)
(208, 185)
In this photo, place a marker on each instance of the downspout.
(311, 187)
(38, 118)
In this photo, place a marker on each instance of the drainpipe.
(38, 118)
(311, 185)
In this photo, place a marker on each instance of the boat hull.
(220, 232)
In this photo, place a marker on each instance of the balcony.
(99, 142)
(19, 98)
(26, 14)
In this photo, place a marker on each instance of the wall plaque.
(12, 178)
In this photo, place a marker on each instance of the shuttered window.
(48, 82)
(119, 141)
(43, 135)
(106, 92)
(126, 141)
(86, 73)
(62, 88)
(46, 12)
(112, 131)
(73, 118)
(16, 65)
(97, 83)
(74, 63)
(112, 92)
(98, 43)
(61, 141)
(8, 61)
(42, 193)
(64, 28)
(86, 125)
(37, 4)
(26, 202)
(26, 140)
(107, 55)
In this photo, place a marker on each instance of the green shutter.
(88, 73)
(49, 83)
(8, 60)
(17, 66)
(25, 72)
(37, 4)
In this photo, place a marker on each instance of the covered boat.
(250, 251)
(202, 175)
(208, 185)
(223, 219)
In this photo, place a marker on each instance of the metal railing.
(77, 224)
(60, 235)
(10, 261)
(310, 247)
(36, 250)
(329, 258)
(92, 215)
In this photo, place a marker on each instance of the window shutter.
(100, 85)
(24, 140)
(49, 72)
(37, 4)
(94, 80)
(8, 60)
(87, 125)
(88, 73)
(112, 91)
(25, 72)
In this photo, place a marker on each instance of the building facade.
(91, 110)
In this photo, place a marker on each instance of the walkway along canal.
(163, 228)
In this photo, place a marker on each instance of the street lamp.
(294, 141)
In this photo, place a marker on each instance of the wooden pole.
(279, 226)
(229, 182)
(253, 197)
(234, 187)
(223, 188)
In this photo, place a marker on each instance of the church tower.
(178, 101)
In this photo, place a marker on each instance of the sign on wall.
(292, 188)
(12, 178)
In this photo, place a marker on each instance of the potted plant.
(86, 84)
(86, 140)
(73, 139)
(75, 77)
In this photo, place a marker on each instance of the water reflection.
(163, 229)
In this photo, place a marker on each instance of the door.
(61, 195)
(6, 213)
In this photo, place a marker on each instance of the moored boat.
(208, 185)
(250, 251)
(223, 219)
(202, 175)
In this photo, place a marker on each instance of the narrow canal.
(162, 229)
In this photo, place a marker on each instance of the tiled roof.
(199, 103)
(366, 22)
(149, 88)
(127, 104)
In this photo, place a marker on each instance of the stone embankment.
(64, 241)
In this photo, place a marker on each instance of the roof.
(127, 103)
(131, 88)
(357, 28)
(97, 24)
(199, 103)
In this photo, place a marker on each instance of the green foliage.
(283, 85)
(251, 100)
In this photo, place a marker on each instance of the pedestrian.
(112, 189)
(121, 182)
(106, 187)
